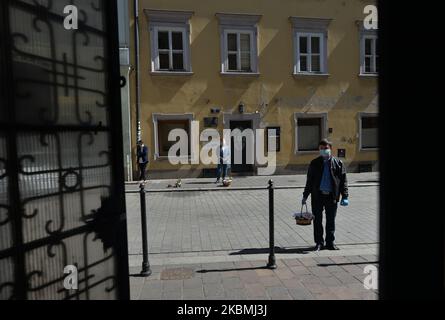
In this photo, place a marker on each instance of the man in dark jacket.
(326, 181)
(142, 159)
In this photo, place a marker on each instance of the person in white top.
(223, 161)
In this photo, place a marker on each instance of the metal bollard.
(271, 263)
(146, 271)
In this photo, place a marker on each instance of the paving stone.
(232, 283)
(319, 271)
(172, 285)
(278, 293)
(300, 270)
(192, 294)
(255, 290)
(330, 281)
(236, 294)
(284, 274)
(213, 289)
(271, 281)
(193, 283)
(301, 293)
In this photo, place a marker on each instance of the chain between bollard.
(146, 271)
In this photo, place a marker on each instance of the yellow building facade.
(307, 68)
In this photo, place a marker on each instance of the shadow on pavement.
(231, 269)
(304, 250)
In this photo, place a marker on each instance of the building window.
(370, 64)
(309, 52)
(239, 46)
(239, 43)
(309, 130)
(310, 45)
(163, 125)
(274, 133)
(368, 132)
(169, 52)
(170, 41)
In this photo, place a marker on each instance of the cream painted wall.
(343, 94)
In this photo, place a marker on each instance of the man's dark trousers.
(142, 169)
(328, 203)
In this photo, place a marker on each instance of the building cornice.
(157, 15)
(310, 23)
(240, 19)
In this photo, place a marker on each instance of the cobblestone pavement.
(336, 277)
(197, 221)
(214, 244)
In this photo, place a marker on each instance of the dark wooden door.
(244, 167)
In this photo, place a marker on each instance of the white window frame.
(324, 123)
(309, 54)
(310, 27)
(374, 54)
(168, 116)
(362, 115)
(239, 24)
(170, 21)
(238, 33)
(170, 50)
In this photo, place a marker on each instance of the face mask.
(325, 153)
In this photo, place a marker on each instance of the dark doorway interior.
(242, 168)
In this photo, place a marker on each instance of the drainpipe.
(136, 62)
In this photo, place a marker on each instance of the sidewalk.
(326, 275)
(214, 245)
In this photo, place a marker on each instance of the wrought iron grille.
(61, 175)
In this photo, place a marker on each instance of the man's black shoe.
(318, 247)
(332, 247)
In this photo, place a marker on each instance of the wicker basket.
(304, 218)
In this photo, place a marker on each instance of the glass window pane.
(368, 45)
(232, 62)
(245, 61)
(164, 128)
(245, 42)
(368, 64)
(376, 43)
(303, 44)
(369, 132)
(303, 63)
(376, 64)
(369, 138)
(164, 61)
(315, 64)
(315, 44)
(177, 40)
(369, 122)
(309, 133)
(163, 40)
(232, 42)
(178, 61)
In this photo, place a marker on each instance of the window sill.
(369, 149)
(243, 74)
(171, 73)
(306, 152)
(165, 158)
(315, 75)
(368, 75)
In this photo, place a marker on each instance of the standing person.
(142, 159)
(326, 181)
(223, 161)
